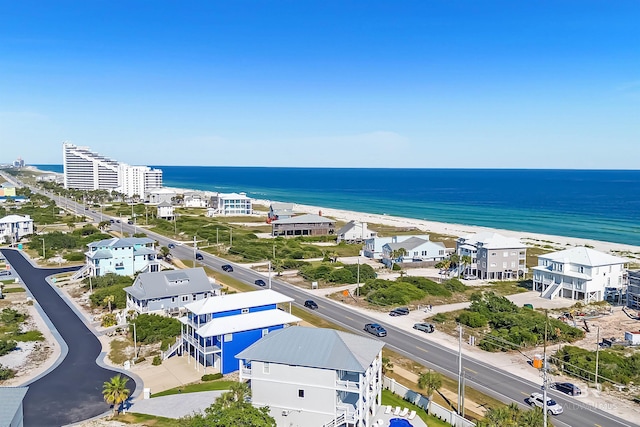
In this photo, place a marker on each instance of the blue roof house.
(216, 329)
(124, 257)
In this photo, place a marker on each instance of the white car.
(553, 407)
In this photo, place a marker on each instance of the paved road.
(72, 392)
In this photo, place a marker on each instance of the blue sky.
(547, 84)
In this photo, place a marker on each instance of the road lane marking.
(422, 349)
(347, 317)
(471, 370)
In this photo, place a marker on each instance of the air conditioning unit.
(285, 412)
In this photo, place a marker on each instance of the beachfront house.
(160, 195)
(167, 292)
(373, 245)
(166, 211)
(354, 232)
(278, 210)
(15, 227)
(582, 274)
(11, 408)
(230, 204)
(315, 376)
(194, 199)
(413, 250)
(493, 256)
(303, 225)
(124, 257)
(216, 329)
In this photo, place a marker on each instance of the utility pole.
(597, 354)
(358, 279)
(269, 274)
(135, 342)
(460, 389)
(230, 236)
(544, 372)
(44, 256)
(195, 248)
(217, 241)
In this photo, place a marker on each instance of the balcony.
(351, 386)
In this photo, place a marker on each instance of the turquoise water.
(592, 204)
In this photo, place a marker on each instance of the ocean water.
(592, 204)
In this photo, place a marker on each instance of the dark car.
(112, 221)
(227, 268)
(259, 282)
(199, 256)
(5, 272)
(130, 222)
(171, 246)
(311, 304)
(375, 329)
(117, 220)
(567, 388)
(400, 311)
(424, 327)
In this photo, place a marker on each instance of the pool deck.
(386, 418)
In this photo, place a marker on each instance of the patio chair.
(388, 409)
(380, 422)
(404, 412)
(411, 415)
(397, 411)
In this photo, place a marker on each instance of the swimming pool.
(399, 422)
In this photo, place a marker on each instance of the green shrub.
(98, 296)
(141, 359)
(7, 346)
(395, 294)
(151, 328)
(9, 316)
(366, 271)
(29, 336)
(211, 377)
(6, 373)
(472, 319)
(108, 320)
(74, 256)
(157, 360)
(396, 267)
(341, 275)
(440, 318)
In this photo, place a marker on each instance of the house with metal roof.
(581, 274)
(215, 329)
(14, 227)
(165, 210)
(279, 210)
(354, 232)
(167, 292)
(230, 204)
(11, 411)
(413, 249)
(493, 256)
(373, 245)
(124, 257)
(315, 376)
(303, 225)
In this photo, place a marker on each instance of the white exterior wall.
(134, 180)
(21, 228)
(428, 251)
(165, 211)
(279, 390)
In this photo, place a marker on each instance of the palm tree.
(397, 254)
(115, 392)
(466, 260)
(431, 382)
(455, 260)
(387, 366)
(165, 251)
(108, 300)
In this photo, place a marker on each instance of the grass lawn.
(394, 400)
(196, 387)
(12, 290)
(147, 420)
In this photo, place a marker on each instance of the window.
(173, 299)
(504, 264)
(493, 264)
(300, 393)
(185, 298)
(195, 297)
(265, 368)
(228, 337)
(493, 253)
(505, 254)
(244, 311)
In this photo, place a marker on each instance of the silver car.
(424, 327)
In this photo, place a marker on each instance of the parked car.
(375, 329)
(400, 311)
(567, 388)
(199, 256)
(130, 222)
(171, 246)
(469, 277)
(424, 327)
(5, 272)
(260, 282)
(553, 407)
(227, 268)
(112, 221)
(311, 304)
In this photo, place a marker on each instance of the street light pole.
(44, 256)
(135, 342)
(269, 274)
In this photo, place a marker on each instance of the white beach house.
(354, 232)
(14, 227)
(493, 256)
(580, 273)
(373, 246)
(413, 249)
(315, 377)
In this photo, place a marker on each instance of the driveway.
(72, 391)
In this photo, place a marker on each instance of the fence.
(419, 400)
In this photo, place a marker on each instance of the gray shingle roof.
(10, 401)
(163, 284)
(304, 219)
(315, 348)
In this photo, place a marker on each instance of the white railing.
(552, 291)
(172, 349)
(347, 385)
(336, 422)
(246, 372)
(417, 399)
